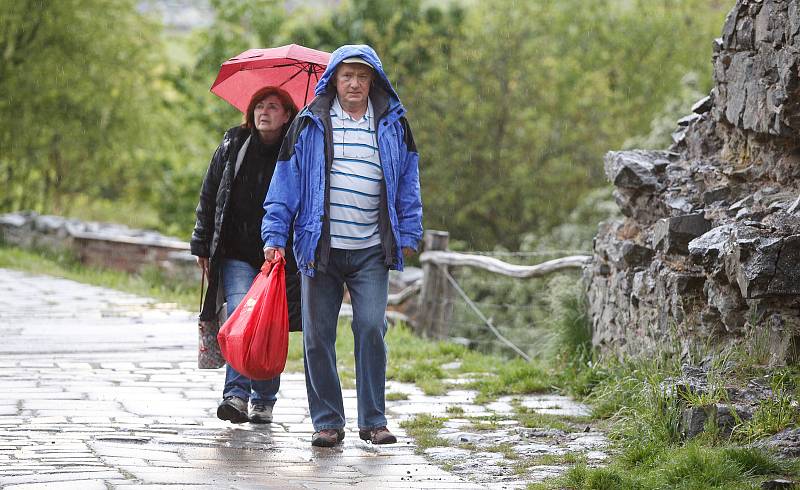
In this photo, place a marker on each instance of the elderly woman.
(227, 236)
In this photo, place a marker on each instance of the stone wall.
(100, 244)
(708, 253)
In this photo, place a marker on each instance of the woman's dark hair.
(286, 102)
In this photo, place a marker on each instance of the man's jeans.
(237, 277)
(367, 280)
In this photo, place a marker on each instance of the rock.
(459, 437)
(687, 120)
(764, 265)
(786, 443)
(672, 235)
(709, 246)
(634, 255)
(633, 169)
(694, 419)
(778, 485)
(714, 195)
(703, 105)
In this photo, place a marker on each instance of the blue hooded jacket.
(300, 188)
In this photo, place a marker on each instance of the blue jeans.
(237, 277)
(367, 279)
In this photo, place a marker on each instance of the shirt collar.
(338, 111)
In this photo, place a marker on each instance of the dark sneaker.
(327, 437)
(379, 435)
(233, 409)
(260, 413)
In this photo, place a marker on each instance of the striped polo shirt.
(355, 180)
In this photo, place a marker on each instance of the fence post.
(435, 305)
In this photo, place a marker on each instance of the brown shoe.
(379, 435)
(327, 437)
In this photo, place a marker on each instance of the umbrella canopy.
(293, 68)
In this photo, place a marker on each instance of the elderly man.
(348, 175)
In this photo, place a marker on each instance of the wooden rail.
(409, 291)
(438, 289)
(442, 258)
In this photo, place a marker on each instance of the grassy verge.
(643, 421)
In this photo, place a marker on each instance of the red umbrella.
(293, 68)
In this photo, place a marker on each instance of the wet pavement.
(100, 390)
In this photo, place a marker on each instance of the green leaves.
(80, 77)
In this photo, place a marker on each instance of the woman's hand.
(202, 262)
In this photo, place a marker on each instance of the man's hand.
(269, 253)
(202, 262)
(408, 251)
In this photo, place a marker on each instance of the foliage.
(512, 103)
(81, 111)
(532, 96)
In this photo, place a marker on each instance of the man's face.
(352, 83)
(269, 114)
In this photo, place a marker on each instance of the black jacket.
(211, 212)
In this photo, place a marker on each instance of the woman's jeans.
(237, 277)
(367, 280)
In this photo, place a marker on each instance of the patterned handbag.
(209, 356)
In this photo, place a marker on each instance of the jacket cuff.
(409, 242)
(198, 250)
(275, 241)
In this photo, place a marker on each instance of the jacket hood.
(367, 54)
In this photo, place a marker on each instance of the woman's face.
(269, 115)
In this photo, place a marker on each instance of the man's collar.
(338, 111)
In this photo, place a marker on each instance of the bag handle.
(268, 265)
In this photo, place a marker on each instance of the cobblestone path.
(99, 389)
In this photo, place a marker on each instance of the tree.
(512, 127)
(80, 85)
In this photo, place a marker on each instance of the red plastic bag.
(255, 339)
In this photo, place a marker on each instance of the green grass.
(424, 429)
(506, 449)
(531, 419)
(651, 453)
(775, 413)
(396, 396)
(489, 422)
(691, 466)
(454, 410)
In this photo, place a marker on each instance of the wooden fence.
(437, 291)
